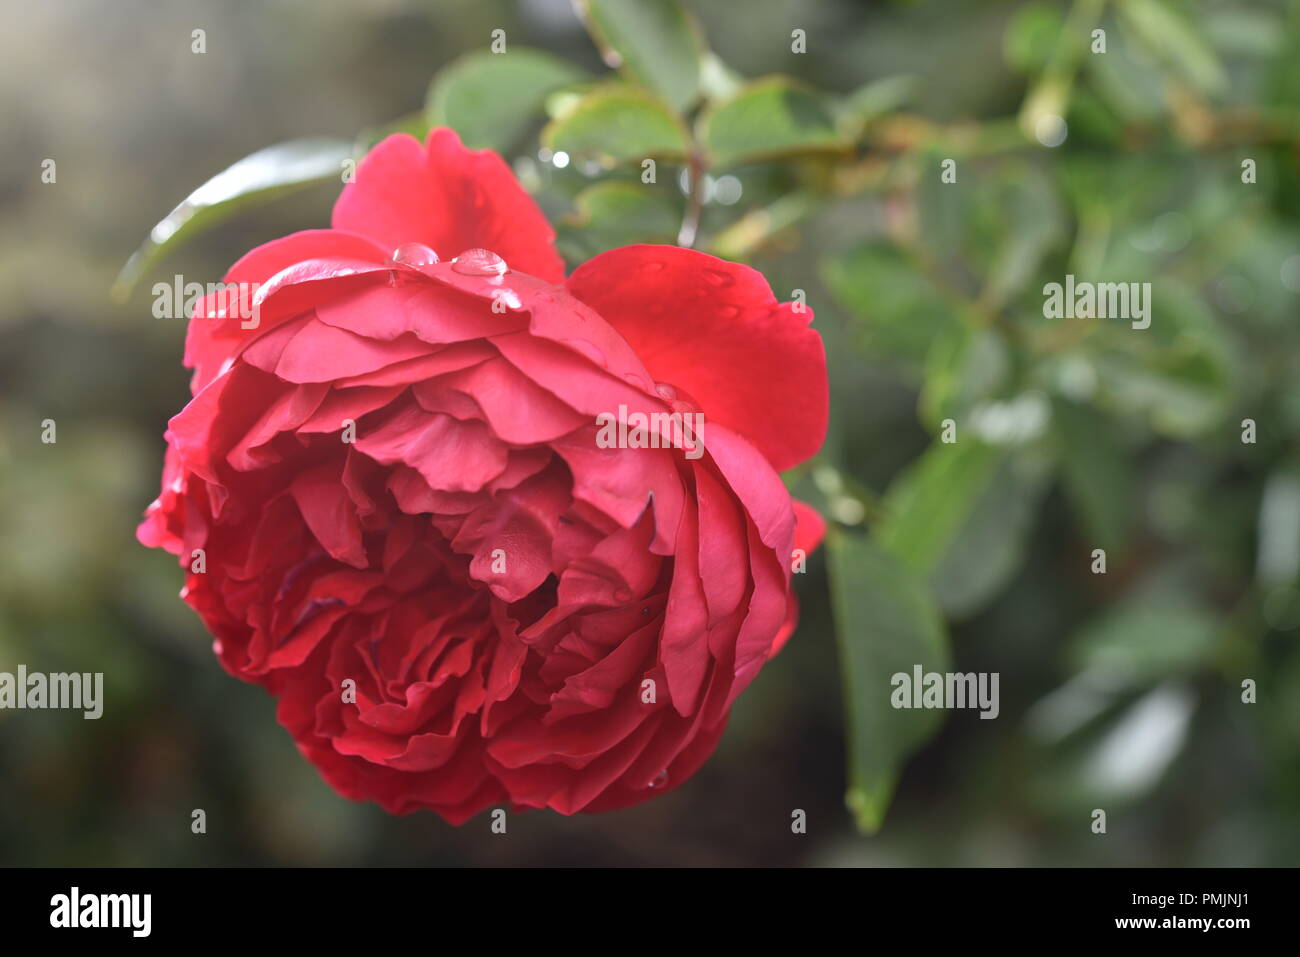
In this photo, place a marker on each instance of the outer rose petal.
(809, 530)
(809, 527)
(714, 329)
(210, 339)
(449, 198)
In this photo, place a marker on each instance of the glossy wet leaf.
(258, 178)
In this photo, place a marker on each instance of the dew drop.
(414, 254)
(660, 779)
(479, 262)
(677, 401)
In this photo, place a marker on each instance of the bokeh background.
(1119, 691)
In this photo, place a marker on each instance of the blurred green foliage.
(919, 171)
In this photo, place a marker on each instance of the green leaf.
(959, 518)
(1097, 471)
(1031, 36)
(927, 505)
(653, 42)
(901, 311)
(491, 99)
(1179, 372)
(1034, 224)
(413, 124)
(962, 367)
(1128, 80)
(1171, 38)
(886, 622)
(618, 124)
(255, 179)
(769, 119)
(616, 213)
(860, 108)
(997, 222)
(989, 547)
(1158, 632)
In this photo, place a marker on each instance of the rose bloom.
(397, 515)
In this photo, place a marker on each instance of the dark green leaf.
(989, 547)
(963, 366)
(901, 311)
(886, 623)
(618, 124)
(926, 506)
(1031, 36)
(856, 111)
(768, 119)
(1097, 471)
(653, 42)
(491, 99)
(619, 213)
(960, 516)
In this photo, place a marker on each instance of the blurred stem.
(741, 238)
(1050, 96)
(694, 204)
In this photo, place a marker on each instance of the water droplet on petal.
(652, 266)
(660, 779)
(414, 254)
(677, 401)
(717, 277)
(479, 262)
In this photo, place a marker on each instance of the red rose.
(412, 531)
